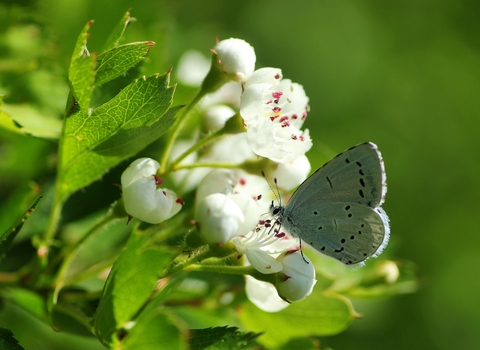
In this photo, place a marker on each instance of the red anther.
(277, 94)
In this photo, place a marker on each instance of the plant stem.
(177, 126)
(210, 165)
(231, 270)
(203, 142)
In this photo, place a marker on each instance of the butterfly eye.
(276, 210)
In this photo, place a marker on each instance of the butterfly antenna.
(276, 191)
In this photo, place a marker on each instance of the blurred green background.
(403, 74)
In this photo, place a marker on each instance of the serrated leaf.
(126, 142)
(8, 236)
(26, 120)
(82, 69)
(318, 315)
(131, 282)
(155, 329)
(221, 338)
(118, 31)
(118, 60)
(8, 341)
(86, 151)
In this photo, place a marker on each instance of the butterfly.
(337, 210)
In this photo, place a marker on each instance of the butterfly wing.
(356, 175)
(336, 210)
(349, 232)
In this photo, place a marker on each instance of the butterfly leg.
(301, 251)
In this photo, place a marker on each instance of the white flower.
(290, 175)
(252, 186)
(223, 216)
(142, 198)
(263, 295)
(192, 68)
(257, 246)
(299, 277)
(236, 58)
(274, 111)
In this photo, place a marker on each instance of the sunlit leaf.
(117, 33)
(155, 329)
(96, 140)
(118, 60)
(82, 69)
(131, 282)
(318, 315)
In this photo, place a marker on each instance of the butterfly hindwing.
(349, 232)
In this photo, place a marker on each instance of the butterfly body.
(337, 210)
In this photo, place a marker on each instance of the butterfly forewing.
(356, 175)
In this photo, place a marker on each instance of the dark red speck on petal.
(158, 181)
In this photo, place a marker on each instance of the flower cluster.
(251, 123)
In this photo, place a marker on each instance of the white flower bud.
(263, 295)
(219, 218)
(236, 58)
(216, 116)
(192, 68)
(142, 198)
(290, 175)
(299, 277)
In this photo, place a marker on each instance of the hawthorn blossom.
(274, 110)
(222, 216)
(142, 196)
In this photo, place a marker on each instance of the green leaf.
(155, 329)
(8, 341)
(134, 140)
(82, 69)
(118, 31)
(221, 338)
(118, 60)
(26, 120)
(29, 301)
(8, 236)
(96, 140)
(130, 284)
(319, 314)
